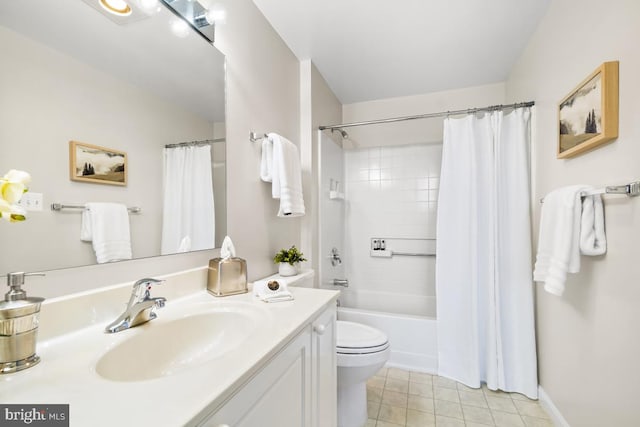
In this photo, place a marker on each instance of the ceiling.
(374, 49)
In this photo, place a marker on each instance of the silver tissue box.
(227, 276)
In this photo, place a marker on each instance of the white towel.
(560, 237)
(285, 174)
(593, 240)
(266, 164)
(106, 225)
(272, 290)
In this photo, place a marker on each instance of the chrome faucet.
(141, 307)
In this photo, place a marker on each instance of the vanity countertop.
(67, 373)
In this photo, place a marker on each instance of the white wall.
(48, 99)
(415, 131)
(319, 106)
(588, 346)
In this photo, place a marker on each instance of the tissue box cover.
(227, 276)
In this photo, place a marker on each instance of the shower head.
(344, 134)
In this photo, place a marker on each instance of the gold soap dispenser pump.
(18, 325)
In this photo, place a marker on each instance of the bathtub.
(412, 338)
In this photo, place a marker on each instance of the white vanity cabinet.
(296, 388)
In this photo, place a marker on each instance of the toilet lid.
(356, 338)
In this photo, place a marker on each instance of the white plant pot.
(285, 269)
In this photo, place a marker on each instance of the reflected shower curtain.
(188, 221)
(483, 268)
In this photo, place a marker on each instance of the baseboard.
(551, 408)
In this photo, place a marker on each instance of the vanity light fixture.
(116, 7)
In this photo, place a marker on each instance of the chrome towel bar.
(632, 189)
(60, 206)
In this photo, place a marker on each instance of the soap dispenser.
(18, 326)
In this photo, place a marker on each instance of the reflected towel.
(106, 225)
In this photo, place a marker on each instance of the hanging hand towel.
(266, 164)
(593, 240)
(107, 227)
(559, 238)
(286, 177)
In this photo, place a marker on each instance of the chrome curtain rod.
(195, 143)
(430, 115)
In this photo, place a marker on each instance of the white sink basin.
(160, 348)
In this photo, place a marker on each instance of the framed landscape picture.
(100, 165)
(588, 115)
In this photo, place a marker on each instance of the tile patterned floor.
(411, 399)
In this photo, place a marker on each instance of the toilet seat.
(355, 338)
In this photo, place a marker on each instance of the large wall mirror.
(71, 72)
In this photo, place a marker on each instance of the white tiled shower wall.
(392, 193)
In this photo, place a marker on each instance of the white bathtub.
(412, 338)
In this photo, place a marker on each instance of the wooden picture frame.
(588, 115)
(95, 164)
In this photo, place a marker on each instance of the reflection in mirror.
(71, 73)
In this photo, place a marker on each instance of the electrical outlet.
(31, 202)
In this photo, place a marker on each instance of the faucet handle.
(142, 288)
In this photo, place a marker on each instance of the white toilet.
(361, 352)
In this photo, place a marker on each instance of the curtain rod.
(430, 115)
(195, 143)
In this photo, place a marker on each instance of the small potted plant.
(289, 261)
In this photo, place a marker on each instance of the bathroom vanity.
(207, 361)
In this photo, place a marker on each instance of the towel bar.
(255, 137)
(60, 206)
(632, 189)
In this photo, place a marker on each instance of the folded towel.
(593, 240)
(106, 225)
(272, 290)
(285, 174)
(559, 238)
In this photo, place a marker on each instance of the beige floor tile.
(394, 398)
(424, 390)
(370, 423)
(472, 424)
(392, 414)
(372, 409)
(501, 404)
(420, 419)
(448, 409)
(420, 377)
(449, 394)
(530, 408)
(504, 419)
(420, 403)
(537, 422)
(394, 384)
(495, 393)
(374, 394)
(442, 421)
(518, 396)
(376, 382)
(382, 372)
(472, 399)
(387, 424)
(399, 374)
(477, 415)
(463, 387)
(444, 382)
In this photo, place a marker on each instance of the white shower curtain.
(188, 221)
(483, 266)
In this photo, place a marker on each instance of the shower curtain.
(188, 221)
(483, 266)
